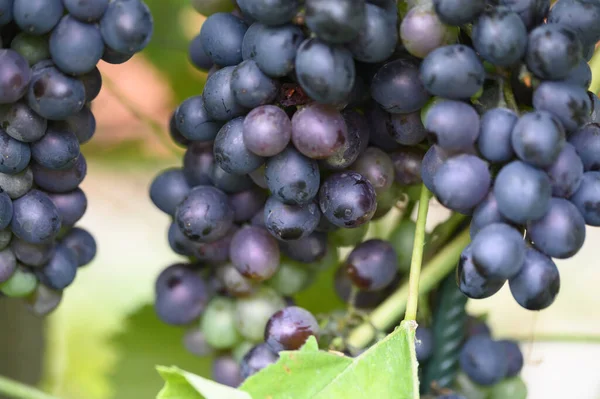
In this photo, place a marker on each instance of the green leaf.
(180, 384)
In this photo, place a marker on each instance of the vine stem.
(390, 311)
(595, 66)
(417, 256)
(16, 390)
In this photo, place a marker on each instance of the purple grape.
(226, 371)
(587, 198)
(452, 125)
(318, 131)
(293, 178)
(538, 283)
(566, 172)
(290, 222)
(289, 329)
(372, 265)
(470, 282)
(377, 167)
(231, 154)
(257, 359)
(255, 253)
(246, 203)
(267, 130)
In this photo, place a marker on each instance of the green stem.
(595, 67)
(16, 390)
(390, 311)
(417, 256)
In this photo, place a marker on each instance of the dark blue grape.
(483, 360)
(587, 198)
(37, 16)
(35, 217)
(579, 15)
(231, 154)
(114, 57)
(198, 56)
(377, 167)
(500, 36)
(336, 21)
(498, 251)
(216, 252)
(71, 206)
(251, 87)
(522, 192)
(57, 149)
(126, 26)
(570, 104)
(82, 124)
(494, 142)
(60, 181)
(8, 264)
(406, 129)
(421, 31)
(92, 81)
(254, 253)
(318, 131)
(452, 125)
(204, 214)
(82, 244)
(15, 76)
(537, 138)
(175, 134)
(60, 270)
(531, 12)
(273, 47)
(54, 95)
(372, 265)
(292, 177)
(15, 154)
(193, 122)
(326, 72)
(580, 76)
(423, 344)
(560, 233)
(363, 299)
(462, 182)
(514, 357)
(76, 47)
(290, 222)
(470, 282)
(485, 213)
(289, 328)
(178, 242)
(347, 199)
(198, 163)
(308, 249)
(397, 87)
(17, 185)
(586, 141)
(222, 35)
(44, 300)
(22, 123)
(267, 130)
(247, 203)
(377, 40)
(458, 12)
(181, 295)
(6, 11)
(432, 160)
(552, 51)
(566, 172)
(86, 10)
(407, 165)
(257, 359)
(381, 130)
(270, 12)
(453, 72)
(6, 209)
(357, 141)
(538, 283)
(228, 182)
(219, 99)
(226, 371)
(476, 326)
(169, 189)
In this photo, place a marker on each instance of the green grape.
(253, 312)
(387, 200)
(402, 239)
(469, 389)
(512, 388)
(240, 351)
(349, 237)
(291, 278)
(20, 284)
(218, 323)
(33, 48)
(209, 7)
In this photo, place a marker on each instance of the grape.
(580, 16)
(92, 81)
(218, 323)
(538, 283)
(6, 11)
(514, 355)
(60, 270)
(60, 181)
(114, 57)
(483, 360)
(531, 12)
(193, 122)
(498, 251)
(198, 56)
(246, 204)
(357, 140)
(267, 130)
(500, 36)
(22, 123)
(402, 239)
(195, 343)
(55, 96)
(552, 51)
(82, 244)
(14, 76)
(397, 88)
(462, 182)
(181, 295)
(6, 209)
(17, 185)
(453, 72)
(215, 252)
(273, 47)
(580, 76)
(308, 249)
(35, 218)
(290, 222)
(347, 199)
(219, 100)
(231, 154)
(522, 192)
(221, 36)
(57, 149)
(570, 104)
(257, 359)
(587, 197)
(432, 160)
(289, 329)
(291, 278)
(453, 125)
(44, 300)
(586, 141)
(382, 133)
(178, 242)
(33, 48)
(270, 12)
(470, 282)
(253, 312)
(292, 178)
(513, 388)
(15, 154)
(91, 10)
(82, 124)
(76, 47)
(566, 172)
(363, 299)
(37, 16)
(20, 284)
(8, 264)
(34, 255)
(251, 87)
(485, 213)
(175, 134)
(377, 40)
(494, 140)
(537, 138)
(458, 12)
(349, 237)
(229, 182)
(205, 214)
(235, 284)
(226, 371)
(318, 131)
(336, 21)
(126, 26)
(476, 326)
(376, 166)
(407, 165)
(255, 253)
(423, 344)
(198, 163)
(422, 31)
(372, 265)
(560, 233)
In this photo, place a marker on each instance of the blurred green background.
(104, 340)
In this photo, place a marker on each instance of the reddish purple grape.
(289, 328)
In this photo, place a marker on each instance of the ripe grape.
(587, 198)
(198, 163)
(514, 355)
(537, 138)
(586, 141)
(289, 328)
(452, 125)
(57, 149)
(219, 99)
(60, 270)
(486, 213)
(500, 36)
(254, 253)
(35, 217)
(423, 344)
(193, 121)
(15, 154)
(376, 166)
(257, 359)
(247, 203)
(498, 251)
(82, 244)
(88, 11)
(267, 130)
(231, 154)
(579, 15)
(221, 36)
(226, 371)
(126, 26)
(570, 104)
(37, 17)
(552, 51)
(407, 165)
(270, 12)
(531, 12)
(21, 122)
(54, 95)
(538, 283)
(458, 12)
(397, 88)
(483, 360)
(34, 255)
(76, 47)
(432, 160)
(422, 31)
(566, 172)
(494, 141)
(372, 265)
(470, 282)
(251, 87)
(198, 56)
(15, 76)
(292, 177)
(309, 249)
(169, 189)
(18, 184)
(377, 39)
(336, 21)
(290, 222)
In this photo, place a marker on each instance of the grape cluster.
(48, 79)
